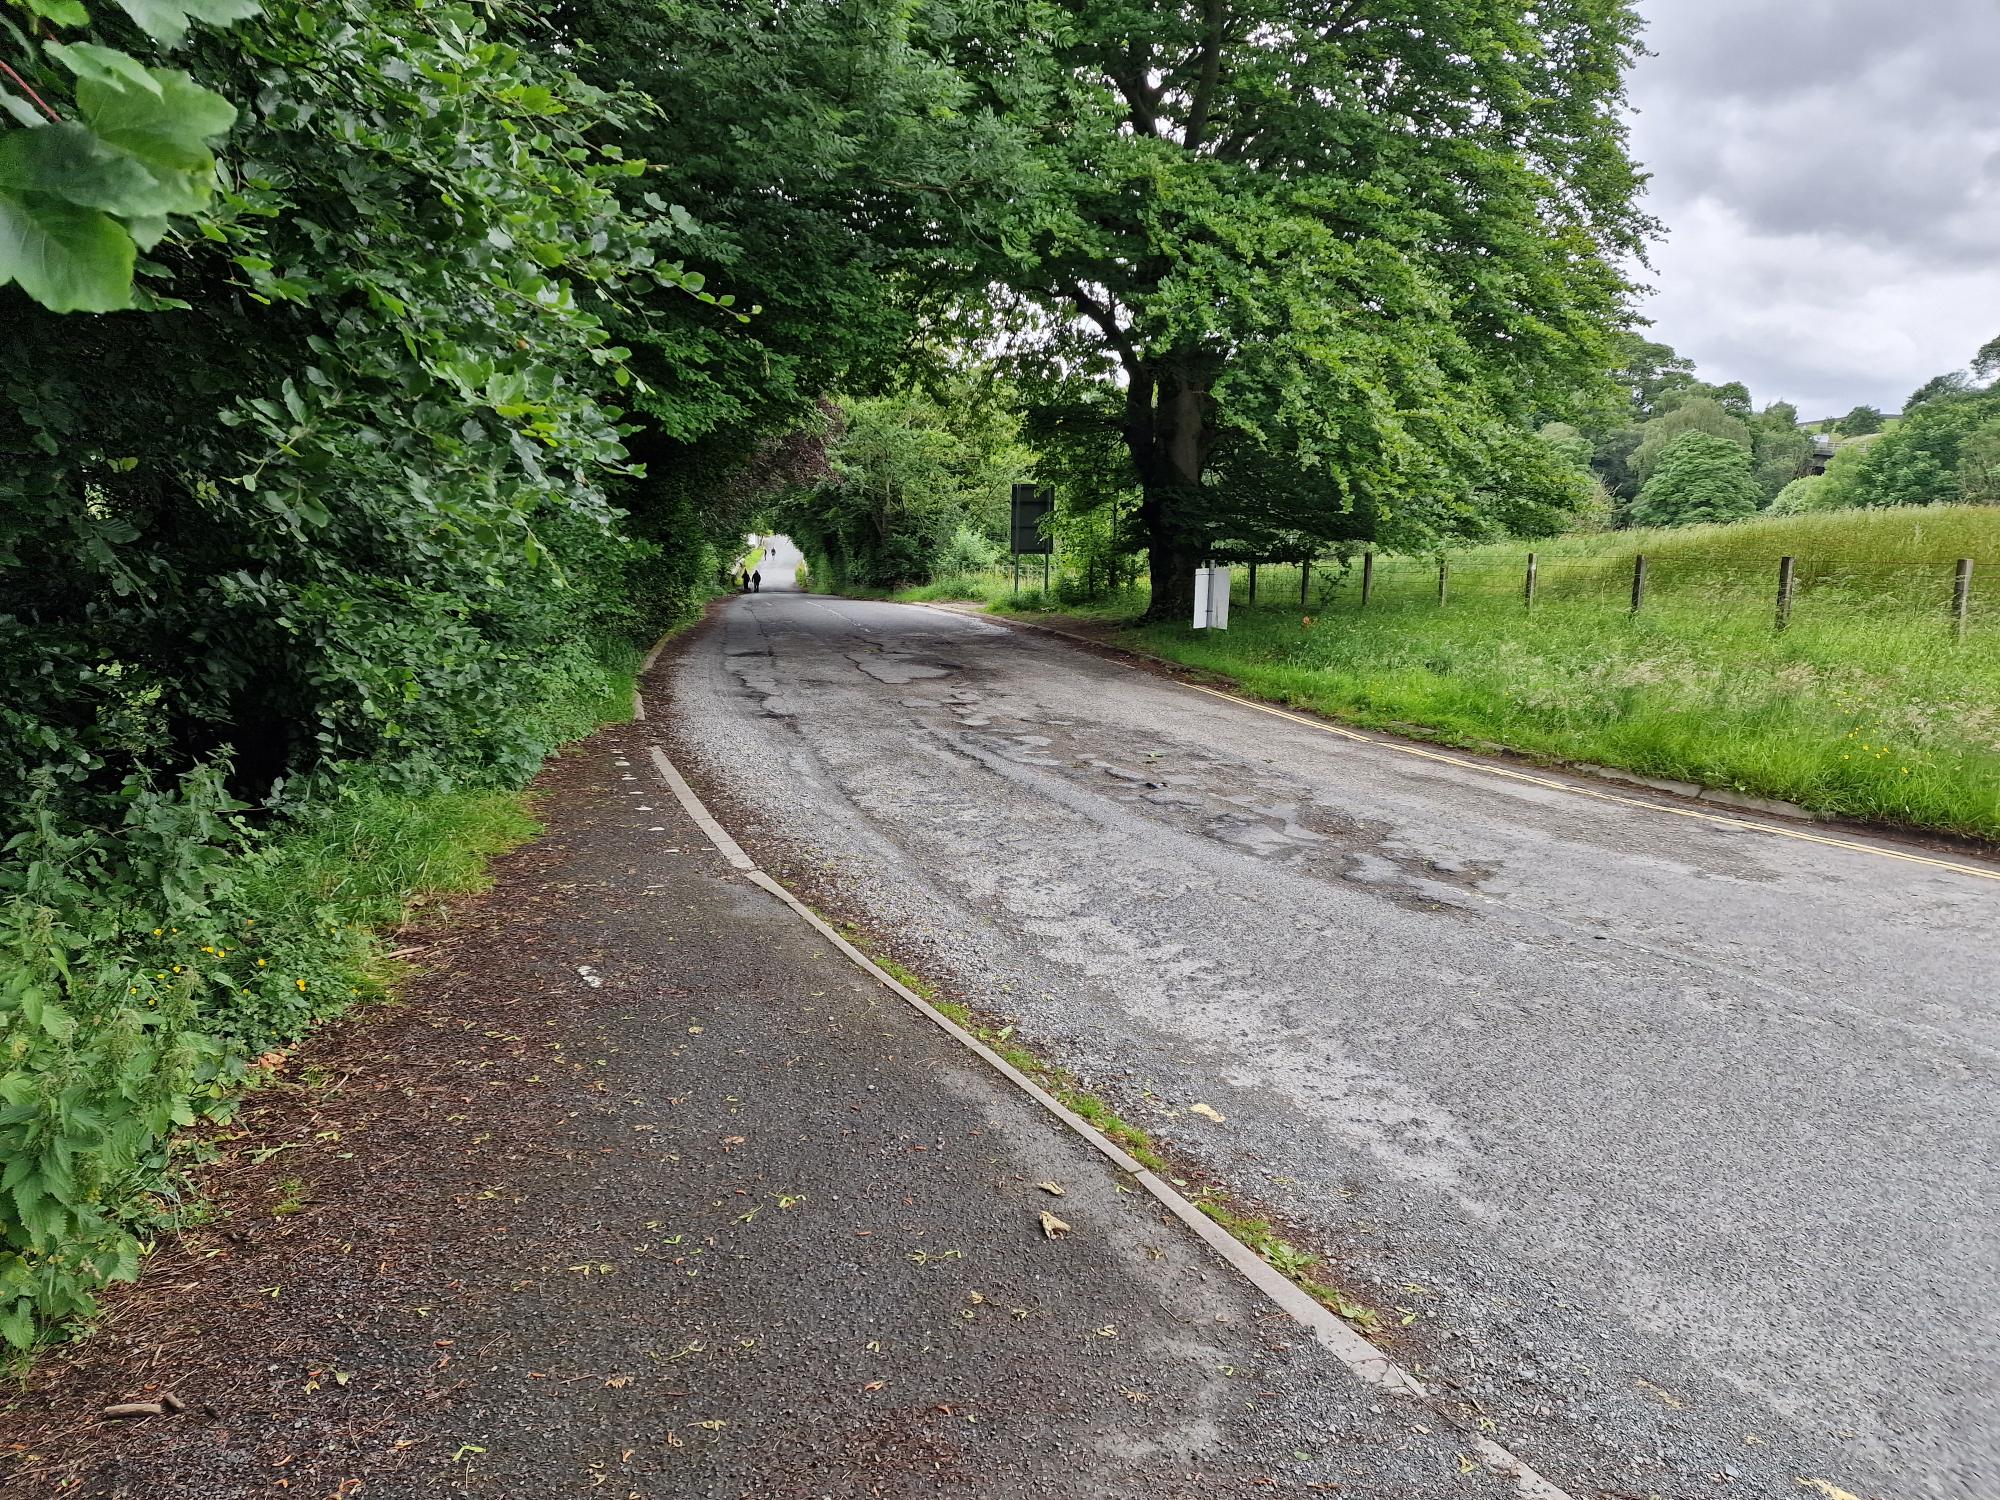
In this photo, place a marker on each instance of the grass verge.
(1298, 1265)
(163, 962)
(1865, 705)
(1863, 715)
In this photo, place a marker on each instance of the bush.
(968, 551)
(1808, 492)
(1699, 478)
(300, 571)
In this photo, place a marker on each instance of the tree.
(1650, 371)
(1918, 463)
(1340, 256)
(1781, 450)
(1939, 388)
(1860, 422)
(1986, 363)
(1979, 464)
(1696, 414)
(1700, 478)
(1806, 493)
(909, 474)
(788, 139)
(1734, 397)
(1567, 441)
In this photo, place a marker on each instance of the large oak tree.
(1339, 256)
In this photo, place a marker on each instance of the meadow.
(1866, 704)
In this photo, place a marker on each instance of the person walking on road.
(757, 581)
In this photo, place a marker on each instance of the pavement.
(1672, 1140)
(643, 1189)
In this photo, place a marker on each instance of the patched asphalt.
(1674, 1141)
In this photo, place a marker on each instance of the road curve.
(1675, 1139)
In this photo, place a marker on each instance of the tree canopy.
(1335, 256)
(1700, 478)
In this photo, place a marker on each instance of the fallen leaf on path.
(1830, 1491)
(1055, 1189)
(1053, 1227)
(1207, 1112)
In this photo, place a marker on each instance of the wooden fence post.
(1785, 576)
(1305, 578)
(1367, 577)
(1444, 581)
(1638, 581)
(1251, 603)
(1530, 594)
(1961, 598)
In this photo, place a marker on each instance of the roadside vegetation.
(406, 421)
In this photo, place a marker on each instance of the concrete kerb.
(1361, 1358)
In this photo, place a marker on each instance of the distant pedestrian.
(757, 581)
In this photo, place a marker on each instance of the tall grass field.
(1865, 704)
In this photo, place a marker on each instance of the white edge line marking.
(1383, 742)
(1362, 1359)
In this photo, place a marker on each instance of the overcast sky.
(1829, 175)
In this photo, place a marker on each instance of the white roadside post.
(1211, 598)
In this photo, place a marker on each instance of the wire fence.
(1955, 594)
(1962, 597)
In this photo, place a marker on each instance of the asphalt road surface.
(1673, 1141)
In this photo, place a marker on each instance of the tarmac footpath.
(643, 1189)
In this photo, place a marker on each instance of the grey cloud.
(1829, 173)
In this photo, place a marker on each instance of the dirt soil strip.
(644, 1190)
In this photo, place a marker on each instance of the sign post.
(1030, 507)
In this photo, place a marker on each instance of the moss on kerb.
(1259, 1235)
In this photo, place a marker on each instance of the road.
(1675, 1139)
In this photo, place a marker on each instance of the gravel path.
(1674, 1142)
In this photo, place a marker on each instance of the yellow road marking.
(1720, 820)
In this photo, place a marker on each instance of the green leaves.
(103, 64)
(167, 21)
(67, 258)
(79, 198)
(169, 129)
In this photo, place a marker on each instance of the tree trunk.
(1172, 565)
(1168, 431)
